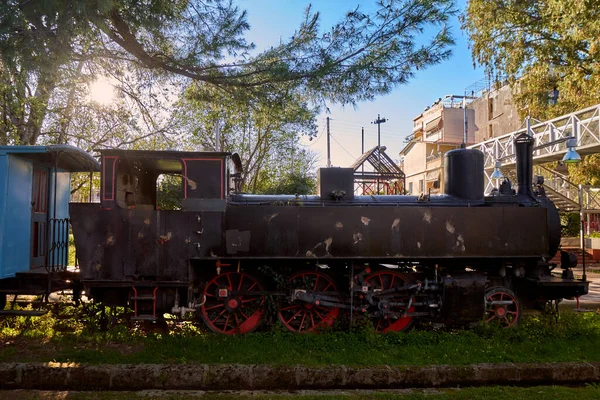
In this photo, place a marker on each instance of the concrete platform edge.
(66, 376)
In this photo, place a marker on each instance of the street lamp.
(497, 174)
(571, 156)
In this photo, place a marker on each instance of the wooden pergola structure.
(383, 177)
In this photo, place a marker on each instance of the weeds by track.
(573, 337)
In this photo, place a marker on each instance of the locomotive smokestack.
(524, 153)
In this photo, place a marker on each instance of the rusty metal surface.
(141, 244)
(391, 232)
(153, 244)
(460, 289)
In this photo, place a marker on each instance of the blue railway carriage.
(35, 187)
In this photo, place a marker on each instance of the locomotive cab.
(141, 234)
(130, 179)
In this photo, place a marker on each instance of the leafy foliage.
(169, 192)
(570, 224)
(293, 183)
(360, 57)
(539, 46)
(265, 134)
(550, 53)
(586, 172)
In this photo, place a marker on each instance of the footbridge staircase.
(565, 194)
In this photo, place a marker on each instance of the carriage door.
(39, 216)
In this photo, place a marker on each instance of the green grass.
(483, 393)
(574, 337)
(72, 250)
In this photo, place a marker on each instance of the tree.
(265, 134)
(294, 183)
(169, 192)
(139, 116)
(540, 46)
(50, 51)
(544, 48)
(362, 56)
(587, 172)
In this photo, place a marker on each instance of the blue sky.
(271, 20)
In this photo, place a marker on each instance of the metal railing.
(561, 185)
(58, 252)
(550, 139)
(433, 157)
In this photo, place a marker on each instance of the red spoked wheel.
(300, 316)
(502, 307)
(230, 306)
(384, 280)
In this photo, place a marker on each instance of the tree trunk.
(38, 104)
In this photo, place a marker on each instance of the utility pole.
(466, 129)
(379, 121)
(362, 136)
(328, 146)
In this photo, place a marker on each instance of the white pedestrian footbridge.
(550, 144)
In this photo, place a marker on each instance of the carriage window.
(169, 192)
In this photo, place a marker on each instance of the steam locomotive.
(233, 259)
(452, 259)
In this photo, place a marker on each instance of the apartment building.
(495, 113)
(440, 128)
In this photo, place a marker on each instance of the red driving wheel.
(300, 316)
(384, 280)
(502, 307)
(230, 306)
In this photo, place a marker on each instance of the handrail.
(433, 157)
(563, 186)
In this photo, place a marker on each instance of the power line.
(339, 144)
(319, 136)
(389, 135)
(358, 126)
(369, 135)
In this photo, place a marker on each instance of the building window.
(410, 188)
(433, 133)
(421, 188)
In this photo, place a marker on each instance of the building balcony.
(433, 157)
(418, 127)
(434, 136)
(433, 163)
